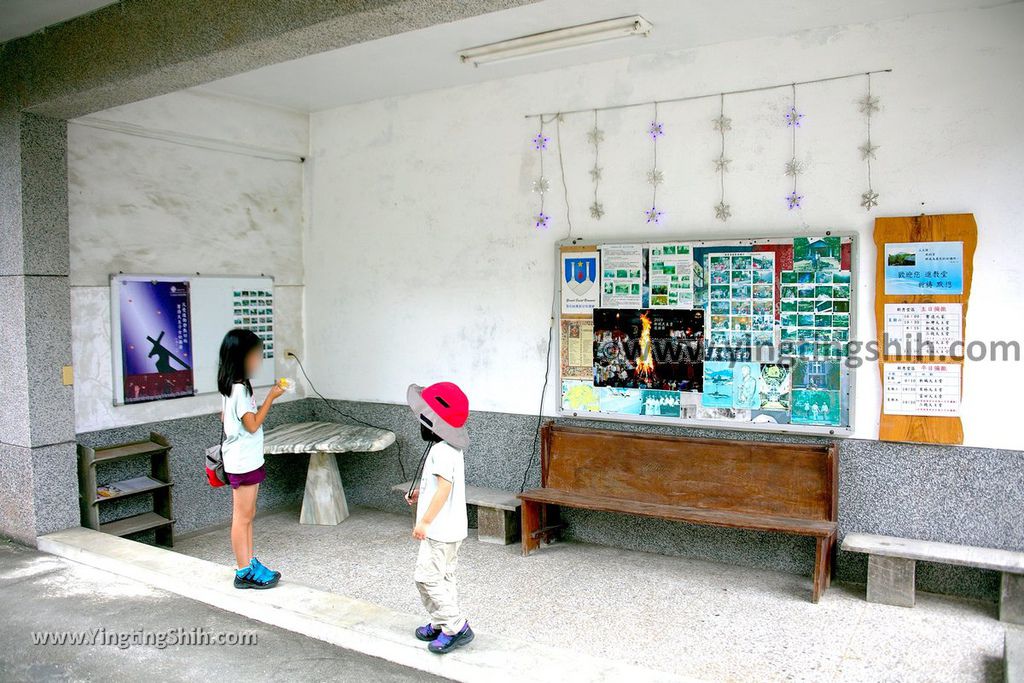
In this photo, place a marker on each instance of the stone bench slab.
(934, 551)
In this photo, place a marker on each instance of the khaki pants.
(435, 579)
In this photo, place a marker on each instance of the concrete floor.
(41, 592)
(687, 617)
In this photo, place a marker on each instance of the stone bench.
(892, 561)
(497, 514)
(1014, 655)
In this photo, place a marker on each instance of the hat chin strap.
(419, 471)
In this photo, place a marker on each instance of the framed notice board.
(735, 333)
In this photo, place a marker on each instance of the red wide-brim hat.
(443, 409)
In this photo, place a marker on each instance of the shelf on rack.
(135, 524)
(129, 450)
(133, 487)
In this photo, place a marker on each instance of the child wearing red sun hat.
(442, 410)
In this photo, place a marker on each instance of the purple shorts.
(247, 478)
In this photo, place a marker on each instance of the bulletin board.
(749, 334)
(166, 331)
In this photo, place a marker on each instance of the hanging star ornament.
(656, 130)
(596, 210)
(722, 211)
(541, 185)
(869, 199)
(595, 136)
(654, 215)
(722, 123)
(868, 104)
(793, 117)
(794, 199)
(794, 167)
(540, 141)
(655, 177)
(595, 173)
(867, 150)
(722, 164)
(541, 220)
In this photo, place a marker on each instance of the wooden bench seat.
(762, 486)
(892, 568)
(497, 514)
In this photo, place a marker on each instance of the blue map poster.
(156, 340)
(918, 268)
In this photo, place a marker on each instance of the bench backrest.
(757, 477)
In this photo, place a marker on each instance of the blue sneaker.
(427, 633)
(247, 578)
(446, 643)
(263, 572)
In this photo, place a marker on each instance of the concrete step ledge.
(346, 622)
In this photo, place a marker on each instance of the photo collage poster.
(707, 331)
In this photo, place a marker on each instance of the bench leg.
(891, 580)
(497, 526)
(530, 517)
(821, 554)
(1011, 598)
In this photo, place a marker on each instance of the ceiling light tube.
(574, 36)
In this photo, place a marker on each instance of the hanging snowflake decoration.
(722, 164)
(868, 104)
(722, 123)
(596, 210)
(541, 185)
(595, 136)
(793, 200)
(655, 177)
(541, 220)
(656, 130)
(867, 150)
(540, 142)
(722, 211)
(794, 167)
(869, 199)
(793, 117)
(654, 215)
(595, 173)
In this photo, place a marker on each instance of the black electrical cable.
(543, 393)
(398, 443)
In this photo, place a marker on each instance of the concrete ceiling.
(427, 59)
(22, 17)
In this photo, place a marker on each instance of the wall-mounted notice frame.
(748, 334)
(923, 282)
(166, 331)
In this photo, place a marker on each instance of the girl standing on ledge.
(241, 354)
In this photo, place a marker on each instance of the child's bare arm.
(444, 489)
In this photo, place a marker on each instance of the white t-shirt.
(243, 450)
(450, 524)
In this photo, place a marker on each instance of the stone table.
(324, 499)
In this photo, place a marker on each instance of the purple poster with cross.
(156, 340)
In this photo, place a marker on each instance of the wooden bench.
(892, 563)
(497, 513)
(764, 486)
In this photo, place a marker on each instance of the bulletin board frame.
(849, 385)
(212, 317)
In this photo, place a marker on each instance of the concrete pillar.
(38, 480)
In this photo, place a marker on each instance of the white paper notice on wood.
(921, 389)
(924, 330)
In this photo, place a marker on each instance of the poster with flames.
(156, 340)
(649, 349)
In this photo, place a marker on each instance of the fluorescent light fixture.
(559, 39)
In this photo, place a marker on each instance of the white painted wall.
(141, 205)
(421, 262)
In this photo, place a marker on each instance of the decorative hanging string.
(561, 170)
(868, 105)
(595, 136)
(541, 184)
(794, 167)
(722, 123)
(715, 94)
(655, 177)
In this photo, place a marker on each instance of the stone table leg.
(891, 580)
(324, 500)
